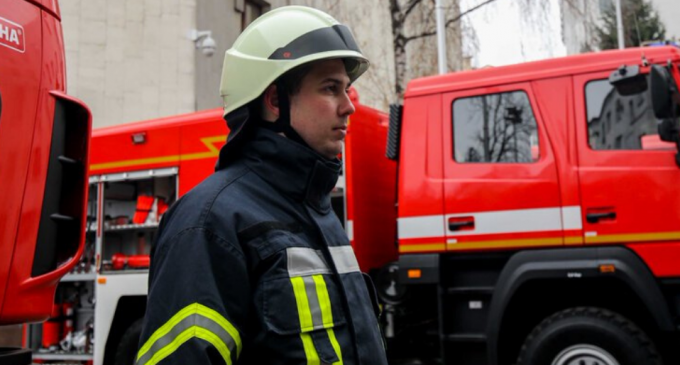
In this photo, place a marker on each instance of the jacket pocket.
(307, 306)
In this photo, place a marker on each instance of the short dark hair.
(292, 80)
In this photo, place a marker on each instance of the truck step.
(70, 162)
(461, 290)
(62, 218)
(465, 337)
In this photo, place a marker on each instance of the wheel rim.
(583, 354)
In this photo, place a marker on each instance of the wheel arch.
(128, 310)
(576, 266)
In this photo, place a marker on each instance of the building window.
(601, 100)
(252, 9)
(495, 128)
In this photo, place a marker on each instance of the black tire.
(587, 335)
(126, 353)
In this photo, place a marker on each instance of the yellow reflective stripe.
(209, 142)
(310, 350)
(200, 332)
(217, 317)
(336, 346)
(190, 332)
(164, 329)
(175, 344)
(206, 335)
(304, 312)
(306, 323)
(327, 314)
(324, 301)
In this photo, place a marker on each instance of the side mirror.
(662, 92)
(628, 80)
(668, 131)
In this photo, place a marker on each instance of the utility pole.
(619, 24)
(441, 37)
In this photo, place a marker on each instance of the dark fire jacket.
(252, 266)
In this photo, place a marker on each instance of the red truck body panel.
(32, 83)
(545, 202)
(24, 98)
(189, 141)
(370, 189)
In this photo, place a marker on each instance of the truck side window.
(495, 128)
(617, 122)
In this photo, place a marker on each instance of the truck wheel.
(588, 336)
(126, 353)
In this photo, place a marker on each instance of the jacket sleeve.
(198, 301)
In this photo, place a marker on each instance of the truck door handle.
(595, 217)
(461, 223)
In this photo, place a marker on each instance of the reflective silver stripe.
(192, 320)
(494, 222)
(344, 259)
(304, 261)
(313, 300)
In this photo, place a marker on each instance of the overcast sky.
(503, 37)
(669, 12)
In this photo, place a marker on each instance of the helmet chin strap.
(282, 124)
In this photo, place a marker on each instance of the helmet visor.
(335, 38)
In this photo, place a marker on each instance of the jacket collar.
(293, 169)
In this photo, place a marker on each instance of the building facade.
(580, 20)
(133, 60)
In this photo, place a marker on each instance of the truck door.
(628, 177)
(20, 67)
(501, 187)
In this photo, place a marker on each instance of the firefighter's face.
(319, 111)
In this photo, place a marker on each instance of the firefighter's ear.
(271, 103)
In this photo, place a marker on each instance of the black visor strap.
(335, 38)
(282, 124)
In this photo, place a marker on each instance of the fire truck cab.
(532, 199)
(44, 140)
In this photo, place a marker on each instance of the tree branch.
(449, 22)
(410, 7)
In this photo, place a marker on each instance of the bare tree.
(495, 128)
(402, 11)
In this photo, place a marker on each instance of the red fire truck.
(44, 138)
(528, 214)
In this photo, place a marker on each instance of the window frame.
(634, 99)
(496, 91)
(262, 5)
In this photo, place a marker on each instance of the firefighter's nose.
(346, 107)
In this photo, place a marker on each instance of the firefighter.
(252, 266)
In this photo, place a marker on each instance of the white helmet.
(275, 43)
(279, 41)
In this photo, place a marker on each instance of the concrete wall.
(224, 21)
(130, 59)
